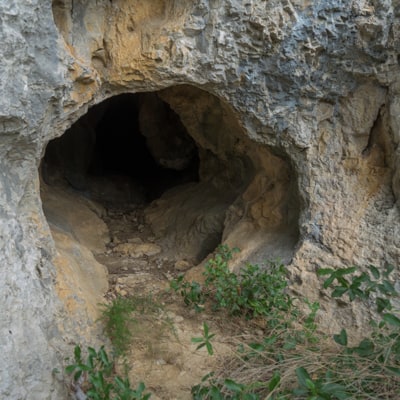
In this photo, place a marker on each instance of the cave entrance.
(130, 148)
(182, 156)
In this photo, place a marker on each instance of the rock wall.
(317, 82)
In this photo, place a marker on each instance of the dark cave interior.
(129, 135)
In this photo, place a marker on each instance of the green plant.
(379, 352)
(118, 318)
(205, 340)
(192, 292)
(361, 285)
(95, 380)
(125, 318)
(228, 389)
(253, 292)
(318, 389)
(298, 362)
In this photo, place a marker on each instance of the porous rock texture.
(313, 88)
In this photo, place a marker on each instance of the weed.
(211, 389)
(205, 340)
(192, 292)
(128, 318)
(118, 318)
(362, 285)
(94, 378)
(318, 389)
(253, 292)
(379, 352)
(300, 363)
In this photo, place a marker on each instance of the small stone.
(170, 314)
(115, 240)
(135, 240)
(182, 265)
(138, 250)
(120, 291)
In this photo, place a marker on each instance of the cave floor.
(161, 353)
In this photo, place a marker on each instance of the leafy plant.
(228, 389)
(253, 292)
(205, 340)
(318, 389)
(295, 362)
(95, 380)
(192, 292)
(361, 285)
(380, 351)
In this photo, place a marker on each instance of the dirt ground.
(161, 353)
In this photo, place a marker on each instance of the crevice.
(375, 138)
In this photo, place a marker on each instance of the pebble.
(135, 240)
(182, 265)
(137, 250)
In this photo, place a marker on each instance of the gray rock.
(312, 83)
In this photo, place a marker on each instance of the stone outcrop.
(309, 91)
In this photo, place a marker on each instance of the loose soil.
(161, 353)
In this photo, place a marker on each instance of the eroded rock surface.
(315, 84)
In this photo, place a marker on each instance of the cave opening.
(182, 155)
(136, 140)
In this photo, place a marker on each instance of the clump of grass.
(118, 317)
(131, 318)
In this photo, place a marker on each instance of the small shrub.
(94, 377)
(253, 292)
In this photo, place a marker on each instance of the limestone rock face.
(313, 85)
(76, 216)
